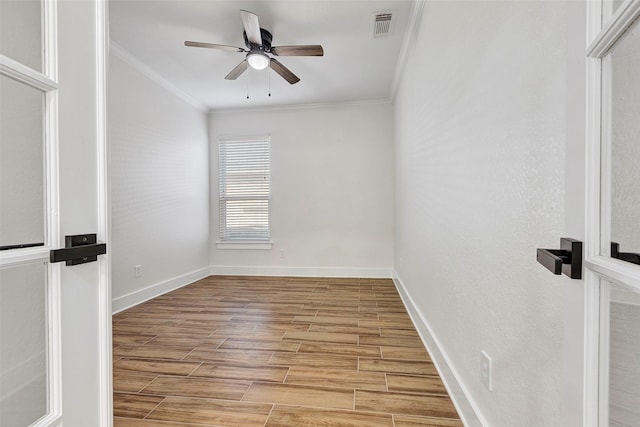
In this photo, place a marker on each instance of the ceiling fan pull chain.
(269, 81)
(247, 85)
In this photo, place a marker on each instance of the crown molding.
(145, 70)
(408, 41)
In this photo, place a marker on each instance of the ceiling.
(356, 67)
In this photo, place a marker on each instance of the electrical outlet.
(485, 370)
(281, 253)
(137, 271)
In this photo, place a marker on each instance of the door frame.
(104, 214)
(604, 28)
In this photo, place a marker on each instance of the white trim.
(145, 70)
(26, 75)
(362, 272)
(50, 39)
(467, 408)
(134, 298)
(295, 107)
(591, 302)
(105, 377)
(624, 16)
(620, 272)
(591, 348)
(23, 256)
(408, 44)
(603, 354)
(244, 245)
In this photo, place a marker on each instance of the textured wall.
(331, 190)
(159, 184)
(480, 144)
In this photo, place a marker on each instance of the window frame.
(225, 241)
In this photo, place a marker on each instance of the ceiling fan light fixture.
(258, 60)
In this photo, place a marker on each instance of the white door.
(612, 250)
(54, 318)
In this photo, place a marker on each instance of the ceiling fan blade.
(251, 26)
(300, 50)
(214, 46)
(284, 71)
(239, 69)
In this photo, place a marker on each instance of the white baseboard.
(369, 273)
(465, 405)
(134, 298)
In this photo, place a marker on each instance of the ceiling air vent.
(382, 24)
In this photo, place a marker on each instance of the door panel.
(22, 178)
(21, 32)
(623, 65)
(624, 356)
(612, 213)
(23, 344)
(51, 308)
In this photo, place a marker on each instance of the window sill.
(246, 245)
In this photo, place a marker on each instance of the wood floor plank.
(185, 342)
(135, 422)
(391, 341)
(321, 336)
(327, 320)
(166, 367)
(297, 416)
(385, 324)
(345, 349)
(131, 381)
(151, 351)
(336, 378)
(128, 339)
(313, 360)
(415, 384)
(289, 394)
(272, 345)
(211, 412)
(405, 353)
(249, 373)
(134, 405)
(233, 357)
(409, 421)
(351, 330)
(408, 404)
(392, 332)
(397, 366)
(197, 387)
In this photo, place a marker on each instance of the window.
(244, 189)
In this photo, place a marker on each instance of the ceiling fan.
(258, 43)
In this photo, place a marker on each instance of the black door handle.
(79, 249)
(624, 256)
(567, 259)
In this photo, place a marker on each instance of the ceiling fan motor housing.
(266, 41)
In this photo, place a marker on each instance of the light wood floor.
(240, 351)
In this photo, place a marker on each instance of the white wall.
(159, 188)
(480, 181)
(331, 191)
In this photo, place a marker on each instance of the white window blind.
(244, 180)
